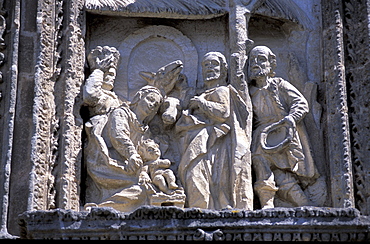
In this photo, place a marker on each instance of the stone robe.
(215, 166)
(111, 140)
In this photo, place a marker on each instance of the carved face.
(149, 103)
(211, 68)
(151, 151)
(259, 64)
(109, 78)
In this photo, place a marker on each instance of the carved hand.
(290, 121)
(144, 178)
(134, 162)
(104, 64)
(166, 163)
(196, 101)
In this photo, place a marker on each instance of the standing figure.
(281, 159)
(214, 168)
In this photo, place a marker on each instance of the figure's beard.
(256, 72)
(212, 75)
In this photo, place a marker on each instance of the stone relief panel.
(203, 132)
(164, 120)
(199, 129)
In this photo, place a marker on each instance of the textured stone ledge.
(173, 223)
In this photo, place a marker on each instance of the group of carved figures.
(177, 145)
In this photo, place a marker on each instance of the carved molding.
(69, 103)
(44, 109)
(56, 143)
(8, 93)
(172, 223)
(356, 41)
(337, 123)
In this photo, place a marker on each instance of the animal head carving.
(171, 110)
(165, 77)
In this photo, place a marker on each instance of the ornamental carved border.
(356, 44)
(193, 224)
(44, 116)
(337, 137)
(57, 144)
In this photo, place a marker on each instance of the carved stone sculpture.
(115, 132)
(158, 168)
(203, 138)
(111, 157)
(97, 91)
(281, 155)
(213, 170)
(159, 179)
(74, 122)
(176, 91)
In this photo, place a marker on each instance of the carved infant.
(159, 171)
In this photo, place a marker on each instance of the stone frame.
(57, 132)
(339, 151)
(69, 154)
(193, 224)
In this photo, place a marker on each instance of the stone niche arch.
(148, 49)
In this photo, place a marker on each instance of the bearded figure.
(281, 156)
(214, 169)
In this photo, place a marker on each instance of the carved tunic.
(270, 104)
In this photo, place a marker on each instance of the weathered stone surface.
(58, 92)
(190, 224)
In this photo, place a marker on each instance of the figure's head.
(214, 68)
(146, 102)
(106, 59)
(148, 150)
(261, 63)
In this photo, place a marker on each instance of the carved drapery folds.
(213, 109)
(237, 78)
(179, 115)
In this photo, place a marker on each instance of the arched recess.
(148, 49)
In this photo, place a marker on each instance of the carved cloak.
(215, 168)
